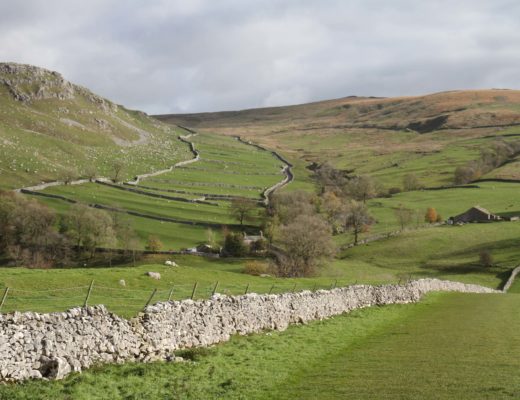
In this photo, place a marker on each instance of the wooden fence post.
(247, 289)
(214, 289)
(335, 284)
(171, 294)
(294, 288)
(88, 293)
(314, 287)
(4, 297)
(150, 299)
(271, 290)
(194, 289)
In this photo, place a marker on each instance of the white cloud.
(203, 55)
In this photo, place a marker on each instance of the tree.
(333, 208)
(153, 244)
(91, 173)
(357, 219)
(27, 233)
(361, 188)
(431, 215)
(464, 174)
(411, 182)
(68, 176)
(234, 245)
(329, 179)
(242, 209)
(403, 215)
(307, 242)
(89, 228)
(117, 169)
(287, 206)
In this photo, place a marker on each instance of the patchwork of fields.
(192, 198)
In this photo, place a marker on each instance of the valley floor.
(449, 346)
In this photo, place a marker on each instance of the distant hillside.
(50, 127)
(446, 110)
(384, 137)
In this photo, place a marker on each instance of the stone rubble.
(50, 346)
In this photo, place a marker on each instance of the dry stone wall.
(52, 345)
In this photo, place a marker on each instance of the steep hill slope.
(384, 137)
(51, 128)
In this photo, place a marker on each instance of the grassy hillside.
(384, 137)
(50, 128)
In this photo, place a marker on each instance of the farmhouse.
(475, 214)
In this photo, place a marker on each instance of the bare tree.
(289, 205)
(91, 173)
(411, 182)
(307, 242)
(403, 215)
(117, 170)
(242, 209)
(357, 219)
(334, 208)
(361, 188)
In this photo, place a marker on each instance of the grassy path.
(462, 347)
(449, 346)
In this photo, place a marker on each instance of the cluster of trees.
(33, 235)
(490, 158)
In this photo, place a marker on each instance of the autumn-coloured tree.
(431, 215)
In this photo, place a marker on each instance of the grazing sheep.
(154, 275)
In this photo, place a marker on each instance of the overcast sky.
(165, 56)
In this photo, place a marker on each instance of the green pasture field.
(172, 235)
(165, 184)
(194, 175)
(388, 156)
(497, 197)
(95, 193)
(449, 346)
(443, 252)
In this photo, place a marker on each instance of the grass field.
(449, 346)
(227, 167)
(442, 252)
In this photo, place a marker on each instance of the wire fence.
(127, 301)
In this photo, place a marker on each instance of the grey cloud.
(202, 55)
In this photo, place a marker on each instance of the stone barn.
(475, 214)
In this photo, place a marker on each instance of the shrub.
(154, 244)
(431, 215)
(485, 258)
(256, 268)
(394, 190)
(259, 245)
(234, 245)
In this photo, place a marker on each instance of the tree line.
(32, 234)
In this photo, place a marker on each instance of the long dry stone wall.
(52, 345)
